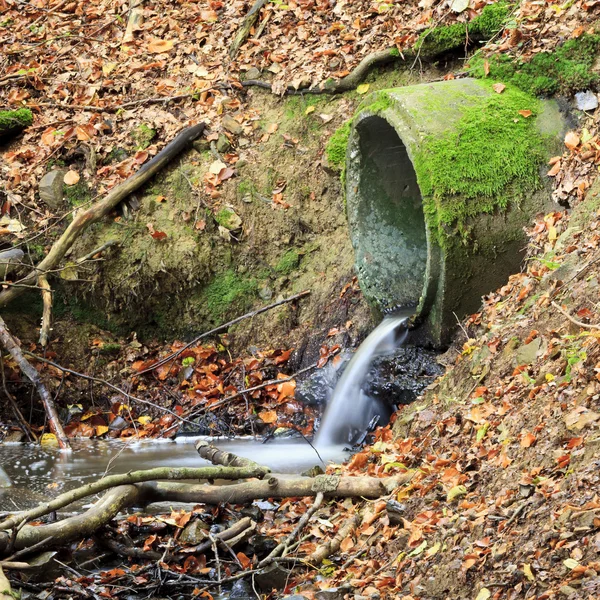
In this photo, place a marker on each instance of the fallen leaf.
(268, 416)
(572, 140)
(160, 46)
(309, 109)
(484, 594)
(528, 440)
(363, 88)
(525, 113)
(528, 572)
(499, 87)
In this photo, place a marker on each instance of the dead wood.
(101, 208)
(235, 534)
(283, 547)
(135, 20)
(73, 528)
(221, 457)
(18, 414)
(47, 312)
(333, 545)
(277, 487)
(11, 345)
(160, 473)
(247, 24)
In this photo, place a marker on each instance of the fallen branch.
(283, 547)
(277, 487)
(249, 315)
(134, 22)
(160, 473)
(80, 526)
(238, 532)
(47, 312)
(573, 320)
(100, 209)
(10, 343)
(244, 30)
(221, 457)
(98, 250)
(332, 546)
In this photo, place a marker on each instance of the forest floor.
(498, 458)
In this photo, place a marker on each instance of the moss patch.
(566, 69)
(462, 173)
(227, 218)
(437, 40)
(142, 136)
(288, 262)
(13, 121)
(336, 146)
(229, 291)
(77, 194)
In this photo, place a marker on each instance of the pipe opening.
(386, 216)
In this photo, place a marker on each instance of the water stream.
(350, 409)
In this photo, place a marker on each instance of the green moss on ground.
(14, 121)
(567, 69)
(142, 136)
(336, 146)
(437, 40)
(288, 262)
(491, 158)
(77, 194)
(227, 218)
(229, 291)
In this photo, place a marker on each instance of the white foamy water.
(350, 410)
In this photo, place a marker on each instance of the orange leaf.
(268, 416)
(525, 113)
(499, 87)
(553, 172)
(244, 560)
(159, 46)
(572, 140)
(528, 440)
(347, 544)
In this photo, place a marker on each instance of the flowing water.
(350, 409)
(38, 473)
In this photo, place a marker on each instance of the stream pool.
(39, 473)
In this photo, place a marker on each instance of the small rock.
(266, 293)
(51, 188)
(586, 101)
(118, 424)
(252, 73)
(232, 125)
(223, 144)
(332, 594)
(201, 146)
(242, 590)
(262, 545)
(567, 590)
(14, 437)
(272, 577)
(395, 512)
(254, 512)
(194, 532)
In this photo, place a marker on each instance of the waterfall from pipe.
(350, 410)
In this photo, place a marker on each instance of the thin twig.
(561, 310)
(249, 315)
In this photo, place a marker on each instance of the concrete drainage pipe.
(440, 181)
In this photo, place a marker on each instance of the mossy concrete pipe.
(440, 181)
